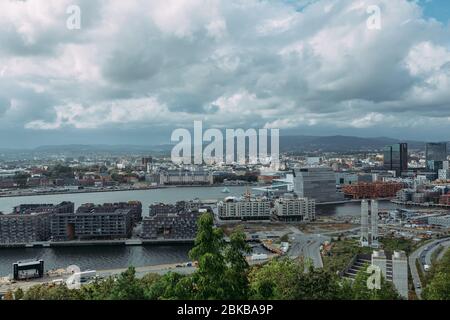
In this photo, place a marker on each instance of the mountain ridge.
(293, 143)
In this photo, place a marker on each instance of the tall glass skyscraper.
(396, 158)
(436, 154)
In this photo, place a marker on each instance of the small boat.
(225, 190)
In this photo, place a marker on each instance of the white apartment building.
(244, 209)
(184, 177)
(295, 209)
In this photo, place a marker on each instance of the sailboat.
(225, 190)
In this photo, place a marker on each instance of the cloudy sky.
(136, 70)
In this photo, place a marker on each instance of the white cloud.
(426, 57)
(248, 62)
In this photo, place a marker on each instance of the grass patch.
(341, 253)
(422, 276)
(436, 253)
(395, 244)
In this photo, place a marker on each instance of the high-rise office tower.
(145, 161)
(436, 154)
(318, 184)
(396, 158)
(364, 223)
(374, 223)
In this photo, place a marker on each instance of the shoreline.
(161, 269)
(422, 205)
(33, 194)
(93, 243)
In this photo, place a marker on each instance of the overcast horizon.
(135, 70)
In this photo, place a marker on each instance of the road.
(307, 245)
(430, 252)
(421, 254)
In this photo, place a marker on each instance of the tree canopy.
(223, 273)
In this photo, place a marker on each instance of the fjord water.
(111, 257)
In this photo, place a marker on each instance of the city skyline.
(135, 71)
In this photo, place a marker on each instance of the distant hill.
(339, 143)
(298, 143)
(73, 148)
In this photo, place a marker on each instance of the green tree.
(127, 287)
(275, 280)
(288, 279)
(438, 287)
(209, 279)
(60, 172)
(209, 239)
(51, 292)
(166, 288)
(21, 179)
(237, 272)
(18, 294)
(318, 284)
(100, 289)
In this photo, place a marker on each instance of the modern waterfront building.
(63, 207)
(162, 208)
(318, 184)
(30, 222)
(244, 209)
(24, 228)
(91, 225)
(180, 206)
(185, 177)
(345, 178)
(177, 225)
(279, 186)
(135, 208)
(435, 154)
(396, 158)
(294, 209)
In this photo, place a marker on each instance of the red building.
(372, 190)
